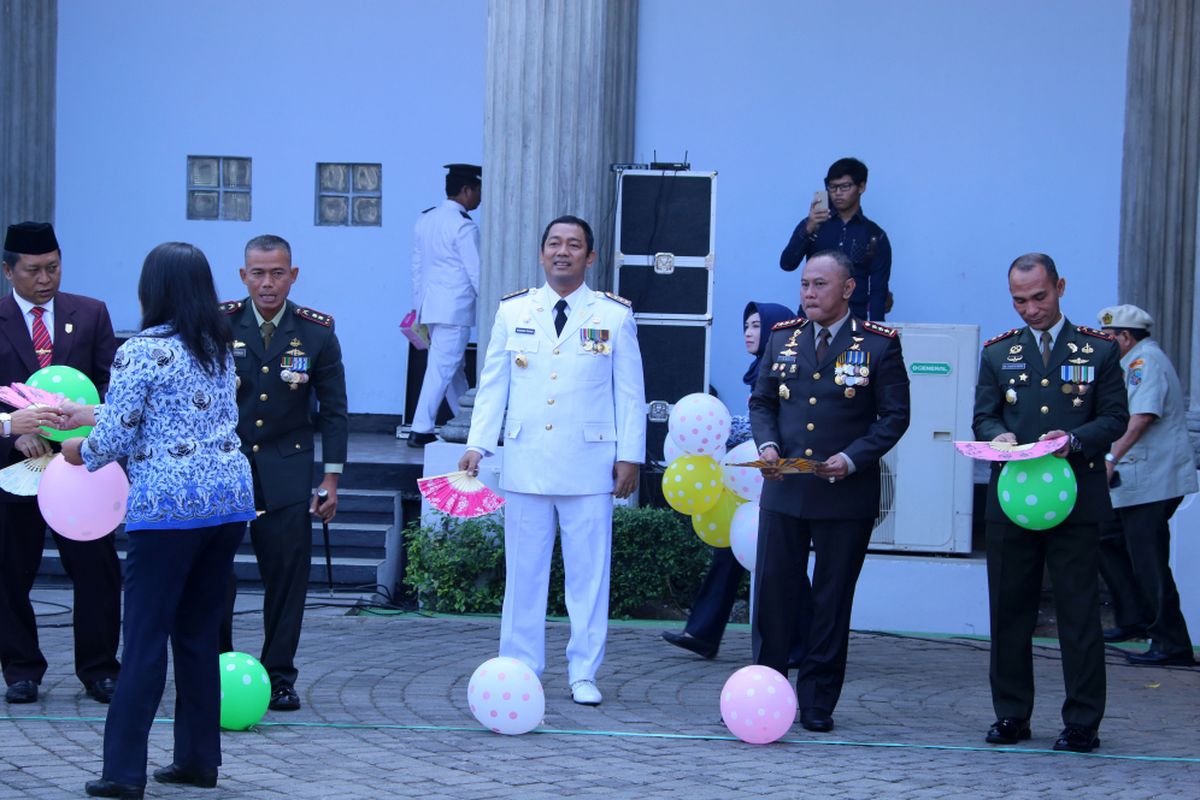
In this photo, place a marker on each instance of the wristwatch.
(1110, 458)
(1076, 445)
(6, 422)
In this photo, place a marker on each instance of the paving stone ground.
(385, 715)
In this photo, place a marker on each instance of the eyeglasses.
(837, 188)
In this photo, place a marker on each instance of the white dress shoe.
(585, 693)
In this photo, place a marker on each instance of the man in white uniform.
(1157, 468)
(565, 362)
(445, 282)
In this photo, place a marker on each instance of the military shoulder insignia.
(882, 330)
(231, 306)
(1094, 332)
(1001, 337)
(431, 208)
(619, 299)
(794, 322)
(517, 293)
(465, 215)
(314, 316)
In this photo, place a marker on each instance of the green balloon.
(245, 691)
(1037, 494)
(72, 384)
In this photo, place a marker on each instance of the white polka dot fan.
(24, 477)
(459, 495)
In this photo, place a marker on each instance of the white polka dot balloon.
(699, 424)
(506, 697)
(745, 482)
(758, 704)
(672, 451)
(743, 535)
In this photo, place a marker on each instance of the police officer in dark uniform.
(1042, 381)
(833, 389)
(285, 356)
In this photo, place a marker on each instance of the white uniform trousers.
(529, 528)
(444, 374)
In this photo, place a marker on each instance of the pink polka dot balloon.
(758, 704)
(672, 451)
(699, 424)
(745, 482)
(743, 534)
(506, 697)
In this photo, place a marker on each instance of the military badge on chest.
(595, 341)
(1077, 380)
(293, 366)
(852, 368)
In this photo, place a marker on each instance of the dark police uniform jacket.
(816, 411)
(1081, 391)
(275, 420)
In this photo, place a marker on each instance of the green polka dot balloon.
(245, 691)
(1037, 494)
(70, 383)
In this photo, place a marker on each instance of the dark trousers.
(1138, 560)
(174, 589)
(783, 590)
(95, 572)
(282, 542)
(1016, 559)
(1117, 571)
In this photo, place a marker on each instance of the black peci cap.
(468, 171)
(31, 238)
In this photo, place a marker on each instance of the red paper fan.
(19, 395)
(459, 495)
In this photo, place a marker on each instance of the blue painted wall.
(990, 129)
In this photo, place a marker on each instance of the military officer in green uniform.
(1046, 380)
(285, 356)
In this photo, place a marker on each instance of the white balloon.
(699, 424)
(672, 451)
(743, 535)
(506, 696)
(745, 482)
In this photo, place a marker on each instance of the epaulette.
(231, 306)
(882, 330)
(465, 215)
(431, 208)
(314, 316)
(619, 299)
(789, 323)
(517, 293)
(1001, 337)
(1094, 332)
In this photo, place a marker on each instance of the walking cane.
(322, 496)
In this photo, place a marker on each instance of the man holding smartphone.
(848, 230)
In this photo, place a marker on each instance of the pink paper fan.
(1003, 451)
(20, 395)
(459, 495)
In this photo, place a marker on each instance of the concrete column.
(28, 58)
(1160, 185)
(560, 103)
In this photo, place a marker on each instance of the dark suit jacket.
(817, 419)
(275, 422)
(1013, 361)
(88, 347)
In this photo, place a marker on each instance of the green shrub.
(657, 565)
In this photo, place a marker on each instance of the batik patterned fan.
(20, 395)
(24, 477)
(459, 495)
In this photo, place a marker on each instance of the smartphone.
(821, 201)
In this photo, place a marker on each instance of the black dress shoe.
(284, 698)
(689, 642)
(420, 439)
(22, 692)
(203, 778)
(1077, 740)
(102, 690)
(1157, 658)
(814, 719)
(1008, 731)
(104, 788)
(1123, 633)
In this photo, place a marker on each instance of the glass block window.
(349, 194)
(218, 187)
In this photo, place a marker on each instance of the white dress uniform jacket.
(445, 265)
(572, 411)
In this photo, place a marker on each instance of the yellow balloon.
(713, 526)
(692, 484)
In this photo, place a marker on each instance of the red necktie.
(42, 345)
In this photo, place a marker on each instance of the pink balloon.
(758, 704)
(745, 482)
(698, 407)
(82, 505)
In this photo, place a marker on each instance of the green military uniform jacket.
(1080, 391)
(276, 416)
